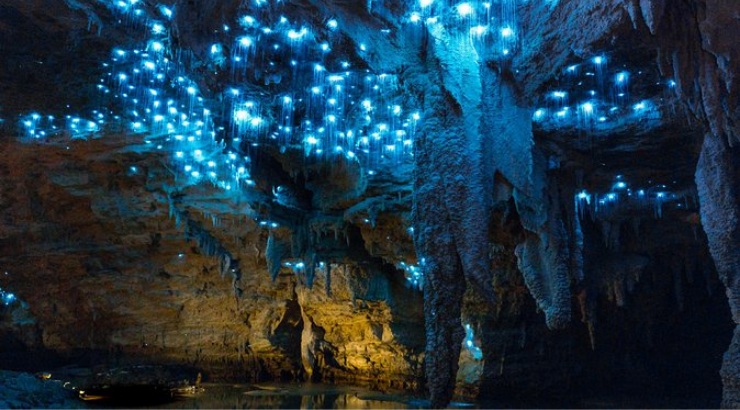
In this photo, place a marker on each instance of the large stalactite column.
(718, 182)
(451, 195)
(473, 128)
(698, 40)
(718, 169)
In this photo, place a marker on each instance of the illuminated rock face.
(282, 159)
(102, 270)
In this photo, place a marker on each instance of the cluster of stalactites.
(595, 96)
(621, 195)
(207, 243)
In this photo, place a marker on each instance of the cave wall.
(237, 324)
(105, 274)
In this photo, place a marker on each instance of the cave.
(370, 204)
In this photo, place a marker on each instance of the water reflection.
(294, 396)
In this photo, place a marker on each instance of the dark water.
(295, 396)
(327, 396)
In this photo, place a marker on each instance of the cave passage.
(342, 204)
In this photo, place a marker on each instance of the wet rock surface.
(113, 260)
(26, 391)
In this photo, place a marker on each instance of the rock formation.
(335, 191)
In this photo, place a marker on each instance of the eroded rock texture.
(108, 272)
(116, 260)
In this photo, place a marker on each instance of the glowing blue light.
(598, 60)
(157, 28)
(622, 77)
(639, 106)
(587, 109)
(215, 48)
(559, 94)
(241, 115)
(470, 345)
(479, 30)
(464, 9)
(332, 24)
(296, 35)
(166, 11)
(247, 20)
(507, 32)
(7, 297)
(425, 3)
(245, 41)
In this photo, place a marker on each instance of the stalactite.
(543, 265)
(588, 316)
(208, 244)
(544, 256)
(606, 230)
(225, 264)
(273, 256)
(678, 292)
(327, 281)
(576, 260)
(310, 269)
